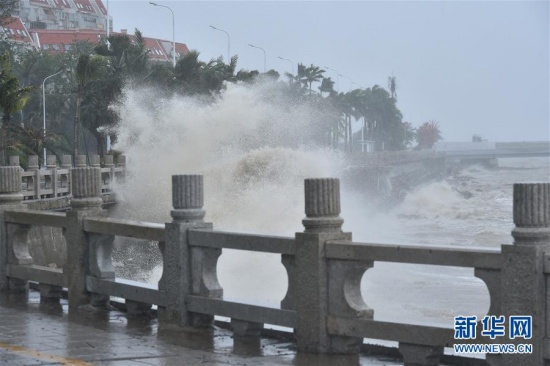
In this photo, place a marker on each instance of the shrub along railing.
(323, 302)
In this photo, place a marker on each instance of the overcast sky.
(476, 67)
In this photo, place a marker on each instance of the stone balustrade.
(54, 182)
(323, 303)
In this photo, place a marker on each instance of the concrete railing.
(387, 158)
(323, 303)
(55, 181)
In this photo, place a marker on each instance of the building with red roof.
(55, 25)
(15, 31)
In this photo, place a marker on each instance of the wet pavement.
(43, 333)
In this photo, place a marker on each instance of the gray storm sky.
(476, 67)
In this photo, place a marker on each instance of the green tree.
(327, 86)
(88, 69)
(247, 76)
(310, 75)
(31, 141)
(129, 59)
(7, 7)
(13, 98)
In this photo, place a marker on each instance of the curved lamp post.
(337, 77)
(265, 55)
(350, 82)
(286, 59)
(173, 32)
(228, 42)
(44, 110)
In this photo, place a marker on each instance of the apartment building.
(55, 25)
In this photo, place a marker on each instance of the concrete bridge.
(323, 305)
(501, 150)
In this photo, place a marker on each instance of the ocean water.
(255, 154)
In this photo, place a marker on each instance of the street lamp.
(286, 59)
(44, 110)
(337, 77)
(350, 82)
(265, 55)
(228, 42)
(173, 32)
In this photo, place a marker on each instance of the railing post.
(322, 223)
(187, 269)
(52, 166)
(86, 201)
(525, 289)
(121, 163)
(67, 163)
(109, 164)
(13, 238)
(80, 161)
(33, 167)
(14, 160)
(95, 161)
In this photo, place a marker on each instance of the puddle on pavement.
(214, 339)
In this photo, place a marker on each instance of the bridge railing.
(385, 158)
(54, 181)
(323, 302)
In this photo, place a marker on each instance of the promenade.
(35, 333)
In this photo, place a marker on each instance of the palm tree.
(129, 57)
(327, 86)
(88, 69)
(13, 98)
(247, 76)
(309, 75)
(428, 134)
(31, 141)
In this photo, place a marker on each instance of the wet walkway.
(35, 333)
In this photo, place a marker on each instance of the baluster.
(86, 202)
(52, 166)
(524, 284)
(187, 270)
(33, 167)
(13, 238)
(322, 223)
(111, 166)
(67, 163)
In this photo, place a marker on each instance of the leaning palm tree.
(13, 98)
(327, 86)
(310, 75)
(88, 69)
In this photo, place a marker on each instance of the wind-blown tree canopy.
(88, 69)
(327, 86)
(129, 58)
(13, 98)
(309, 75)
(128, 64)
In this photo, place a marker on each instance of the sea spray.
(254, 152)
